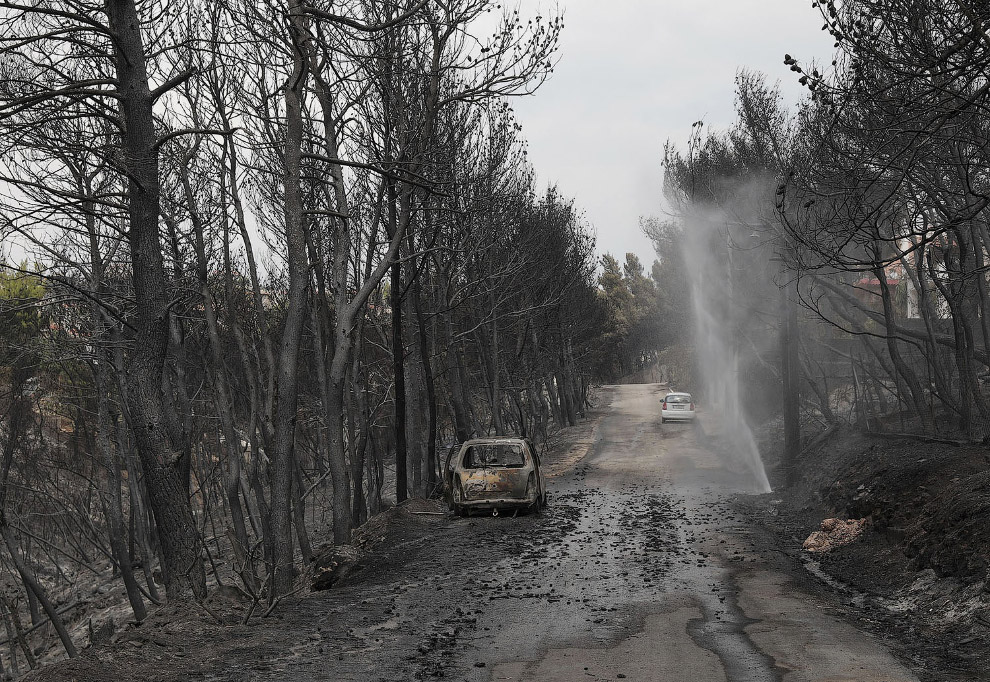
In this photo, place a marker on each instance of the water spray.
(718, 336)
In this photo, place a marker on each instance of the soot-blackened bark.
(916, 394)
(791, 375)
(430, 385)
(398, 368)
(161, 460)
(298, 270)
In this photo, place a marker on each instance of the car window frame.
(517, 445)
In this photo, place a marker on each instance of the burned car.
(493, 474)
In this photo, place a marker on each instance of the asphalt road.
(638, 570)
(684, 593)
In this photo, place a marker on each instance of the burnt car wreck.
(494, 474)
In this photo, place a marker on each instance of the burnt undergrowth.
(919, 574)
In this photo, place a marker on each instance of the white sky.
(634, 73)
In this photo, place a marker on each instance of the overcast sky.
(634, 73)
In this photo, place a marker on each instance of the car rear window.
(494, 455)
(683, 398)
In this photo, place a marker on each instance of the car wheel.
(456, 496)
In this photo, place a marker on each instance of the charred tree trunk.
(790, 366)
(31, 583)
(114, 504)
(415, 419)
(900, 366)
(218, 383)
(564, 395)
(358, 424)
(429, 384)
(458, 398)
(299, 513)
(104, 440)
(160, 458)
(139, 519)
(287, 384)
(398, 361)
(15, 638)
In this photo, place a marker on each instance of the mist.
(727, 257)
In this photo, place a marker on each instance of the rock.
(101, 632)
(834, 533)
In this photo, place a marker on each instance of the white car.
(677, 407)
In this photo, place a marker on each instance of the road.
(638, 570)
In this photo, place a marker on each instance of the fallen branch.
(213, 614)
(820, 438)
(278, 600)
(45, 621)
(928, 439)
(255, 600)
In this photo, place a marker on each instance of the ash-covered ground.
(652, 562)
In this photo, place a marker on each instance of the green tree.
(643, 340)
(636, 321)
(21, 292)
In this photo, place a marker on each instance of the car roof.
(677, 393)
(495, 440)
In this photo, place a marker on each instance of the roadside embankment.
(919, 572)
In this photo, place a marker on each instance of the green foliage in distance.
(21, 317)
(636, 328)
